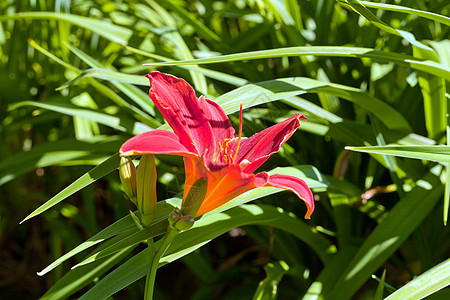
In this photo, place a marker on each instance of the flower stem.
(153, 266)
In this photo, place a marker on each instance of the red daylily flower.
(203, 135)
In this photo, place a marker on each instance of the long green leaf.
(106, 74)
(106, 167)
(189, 18)
(126, 224)
(328, 51)
(203, 231)
(75, 280)
(433, 93)
(133, 92)
(267, 91)
(426, 284)
(119, 80)
(407, 214)
(403, 9)
(108, 30)
(357, 6)
(439, 153)
(122, 124)
(63, 152)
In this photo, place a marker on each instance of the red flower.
(203, 135)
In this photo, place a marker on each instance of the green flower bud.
(146, 188)
(127, 174)
(185, 223)
(174, 216)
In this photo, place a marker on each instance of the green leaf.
(327, 51)
(439, 153)
(328, 276)
(63, 152)
(415, 12)
(107, 75)
(380, 288)
(433, 93)
(108, 30)
(76, 279)
(189, 18)
(357, 6)
(224, 77)
(177, 41)
(267, 91)
(122, 124)
(426, 284)
(119, 80)
(155, 229)
(133, 92)
(124, 225)
(205, 229)
(401, 221)
(106, 167)
(267, 288)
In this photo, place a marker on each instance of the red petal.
(259, 147)
(178, 104)
(295, 185)
(218, 119)
(155, 142)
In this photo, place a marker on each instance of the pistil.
(240, 133)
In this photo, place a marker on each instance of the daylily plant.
(203, 135)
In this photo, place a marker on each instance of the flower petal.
(259, 147)
(227, 184)
(178, 104)
(218, 119)
(295, 185)
(155, 142)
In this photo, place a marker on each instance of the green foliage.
(372, 78)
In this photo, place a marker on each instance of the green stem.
(153, 267)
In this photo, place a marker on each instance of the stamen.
(240, 133)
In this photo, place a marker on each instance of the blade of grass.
(106, 167)
(122, 124)
(267, 91)
(426, 284)
(327, 51)
(439, 153)
(411, 11)
(108, 30)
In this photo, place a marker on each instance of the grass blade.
(439, 153)
(426, 284)
(106, 167)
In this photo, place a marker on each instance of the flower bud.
(195, 197)
(127, 174)
(146, 188)
(174, 216)
(185, 223)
